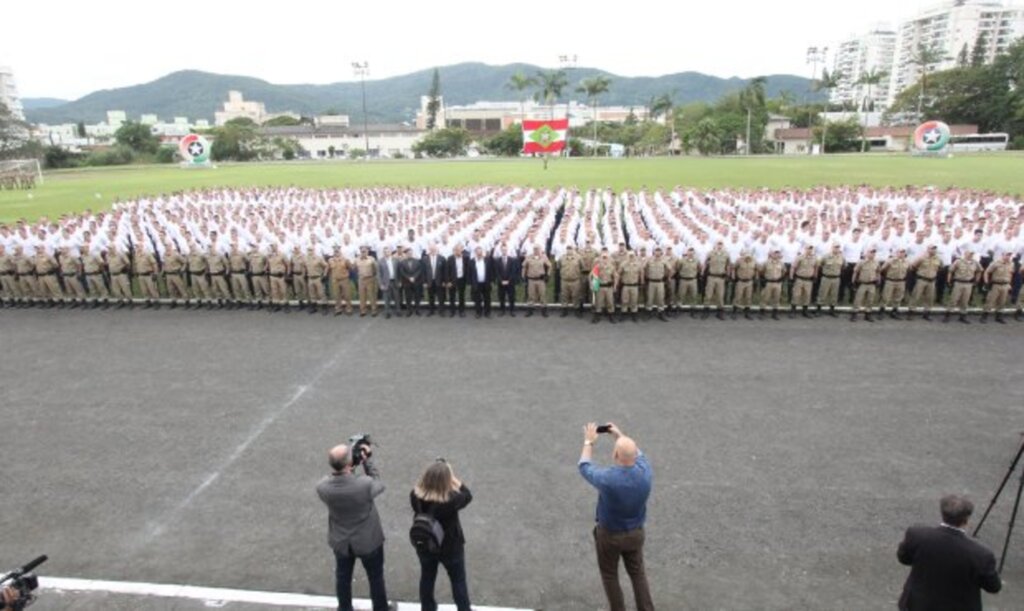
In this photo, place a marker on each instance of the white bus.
(978, 142)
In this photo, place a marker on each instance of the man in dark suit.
(411, 273)
(506, 273)
(456, 278)
(434, 277)
(481, 273)
(353, 527)
(948, 568)
(387, 280)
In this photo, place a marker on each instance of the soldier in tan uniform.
(604, 276)
(316, 269)
(238, 265)
(865, 277)
(588, 256)
(277, 267)
(631, 276)
(802, 274)
(716, 270)
(119, 267)
(926, 270)
(146, 270)
(366, 282)
(688, 269)
(297, 271)
(197, 265)
(774, 272)
(70, 270)
(46, 273)
(894, 271)
(744, 273)
(571, 270)
(217, 265)
(8, 287)
(998, 276)
(657, 271)
(536, 268)
(962, 275)
(831, 267)
(671, 265)
(28, 285)
(175, 266)
(260, 279)
(339, 269)
(92, 267)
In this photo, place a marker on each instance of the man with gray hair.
(353, 527)
(948, 567)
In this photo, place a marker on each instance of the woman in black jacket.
(442, 495)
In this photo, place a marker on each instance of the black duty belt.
(809, 278)
(45, 273)
(218, 273)
(118, 273)
(865, 284)
(773, 281)
(71, 275)
(625, 284)
(687, 278)
(744, 280)
(6, 273)
(717, 275)
(896, 279)
(238, 271)
(1000, 283)
(195, 273)
(93, 273)
(537, 278)
(314, 277)
(963, 282)
(926, 279)
(649, 281)
(830, 276)
(277, 275)
(172, 272)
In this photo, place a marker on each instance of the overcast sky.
(69, 48)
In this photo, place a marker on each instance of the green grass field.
(75, 190)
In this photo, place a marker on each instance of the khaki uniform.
(536, 269)
(69, 270)
(804, 269)
(964, 273)
(258, 271)
(687, 270)
(714, 288)
(631, 276)
(1000, 275)
(237, 263)
(895, 283)
(927, 268)
(197, 272)
(316, 269)
(606, 276)
(46, 272)
(298, 268)
(865, 279)
(175, 264)
(28, 285)
(120, 286)
(571, 270)
(774, 270)
(671, 264)
(341, 286)
(8, 287)
(828, 288)
(588, 256)
(217, 264)
(366, 273)
(656, 273)
(146, 269)
(92, 265)
(277, 265)
(746, 272)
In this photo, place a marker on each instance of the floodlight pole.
(814, 55)
(567, 62)
(361, 69)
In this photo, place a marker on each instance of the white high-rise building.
(9, 93)
(949, 27)
(859, 56)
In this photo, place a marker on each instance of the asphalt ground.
(184, 447)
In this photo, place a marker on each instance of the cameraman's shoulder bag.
(426, 534)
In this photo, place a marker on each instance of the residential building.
(856, 57)
(327, 141)
(950, 28)
(491, 117)
(238, 107)
(9, 93)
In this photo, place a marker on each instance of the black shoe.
(544, 312)
(946, 317)
(775, 314)
(832, 311)
(511, 314)
(1017, 316)
(927, 316)
(1000, 319)
(895, 315)
(634, 317)
(417, 312)
(853, 317)
(661, 317)
(704, 315)
(868, 317)
(579, 314)
(806, 314)
(792, 312)
(984, 318)
(387, 315)
(720, 315)
(430, 313)
(501, 313)
(734, 314)
(529, 313)
(963, 319)
(746, 314)
(611, 318)
(408, 314)
(596, 319)
(565, 313)
(337, 312)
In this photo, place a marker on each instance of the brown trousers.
(802, 292)
(342, 289)
(240, 287)
(176, 287)
(97, 289)
(147, 286)
(628, 545)
(828, 291)
(260, 287)
(714, 291)
(998, 295)
(29, 287)
(924, 294)
(687, 294)
(743, 295)
(367, 294)
(536, 292)
(572, 292)
(8, 288)
(120, 286)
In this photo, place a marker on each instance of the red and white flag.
(545, 136)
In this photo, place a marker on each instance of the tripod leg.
(1013, 518)
(995, 497)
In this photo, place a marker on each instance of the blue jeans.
(373, 563)
(455, 564)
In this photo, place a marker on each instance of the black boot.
(746, 314)
(868, 317)
(1018, 315)
(596, 319)
(963, 319)
(946, 317)
(775, 313)
(832, 311)
(661, 316)
(529, 312)
(806, 314)
(565, 312)
(927, 315)
(634, 316)
(792, 312)
(544, 312)
(706, 313)
(817, 310)
(895, 314)
(735, 310)
(611, 317)
(721, 314)
(853, 316)
(984, 318)
(999, 318)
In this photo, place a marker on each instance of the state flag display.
(595, 279)
(544, 136)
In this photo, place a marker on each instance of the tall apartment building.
(9, 93)
(950, 26)
(856, 57)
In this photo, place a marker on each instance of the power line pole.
(361, 69)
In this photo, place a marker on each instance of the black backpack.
(426, 534)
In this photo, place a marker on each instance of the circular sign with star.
(931, 136)
(195, 149)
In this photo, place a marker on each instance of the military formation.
(632, 255)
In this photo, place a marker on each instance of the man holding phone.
(623, 490)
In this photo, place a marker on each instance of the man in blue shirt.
(621, 511)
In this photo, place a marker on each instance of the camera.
(604, 428)
(24, 582)
(356, 444)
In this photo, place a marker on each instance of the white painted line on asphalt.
(219, 596)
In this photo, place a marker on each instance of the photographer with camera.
(354, 528)
(436, 501)
(8, 597)
(623, 490)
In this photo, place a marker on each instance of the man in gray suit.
(388, 280)
(354, 528)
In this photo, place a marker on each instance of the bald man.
(623, 489)
(354, 528)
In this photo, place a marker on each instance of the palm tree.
(925, 58)
(828, 83)
(752, 97)
(594, 87)
(871, 78)
(550, 84)
(519, 83)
